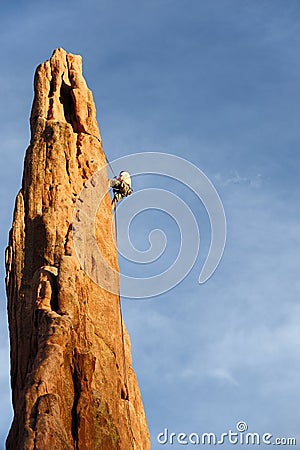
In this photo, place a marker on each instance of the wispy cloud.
(236, 179)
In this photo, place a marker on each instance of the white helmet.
(125, 177)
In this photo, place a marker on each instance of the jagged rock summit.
(73, 386)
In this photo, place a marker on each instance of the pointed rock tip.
(72, 61)
(60, 52)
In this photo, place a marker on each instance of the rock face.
(73, 386)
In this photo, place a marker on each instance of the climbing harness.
(121, 190)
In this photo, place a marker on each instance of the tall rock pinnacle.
(73, 386)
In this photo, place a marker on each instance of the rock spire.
(73, 386)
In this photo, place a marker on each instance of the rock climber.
(121, 187)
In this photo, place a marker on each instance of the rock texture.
(73, 386)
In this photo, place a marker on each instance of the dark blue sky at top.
(218, 83)
(209, 63)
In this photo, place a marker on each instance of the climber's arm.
(114, 183)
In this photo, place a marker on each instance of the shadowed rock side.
(67, 361)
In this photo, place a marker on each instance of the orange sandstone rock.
(73, 386)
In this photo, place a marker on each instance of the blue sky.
(218, 83)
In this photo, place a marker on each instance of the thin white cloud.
(223, 375)
(236, 179)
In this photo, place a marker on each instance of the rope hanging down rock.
(123, 340)
(124, 358)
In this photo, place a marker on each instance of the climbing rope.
(124, 357)
(123, 340)
(112, 170)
